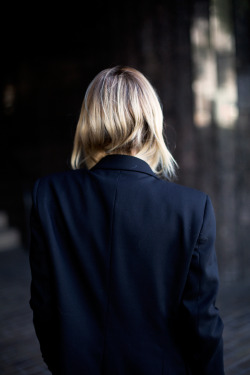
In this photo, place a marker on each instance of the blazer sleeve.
(203, 326)
(41, 300)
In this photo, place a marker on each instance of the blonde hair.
(121, 114)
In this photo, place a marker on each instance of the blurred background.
(196, 54)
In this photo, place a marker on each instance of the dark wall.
(49, 57)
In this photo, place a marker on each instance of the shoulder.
(183, 194)
(55, 182)
(187, 202)
(59, 177)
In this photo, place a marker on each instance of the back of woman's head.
(121, 114)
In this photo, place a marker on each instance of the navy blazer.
(124, 273)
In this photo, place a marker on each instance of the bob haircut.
(121, 114)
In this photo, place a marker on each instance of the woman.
(124, 271)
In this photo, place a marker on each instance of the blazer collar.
(124, 162)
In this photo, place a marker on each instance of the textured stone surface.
(19, 349)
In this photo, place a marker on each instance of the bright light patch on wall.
(204, 80)
(214, 80)
(9, 95)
